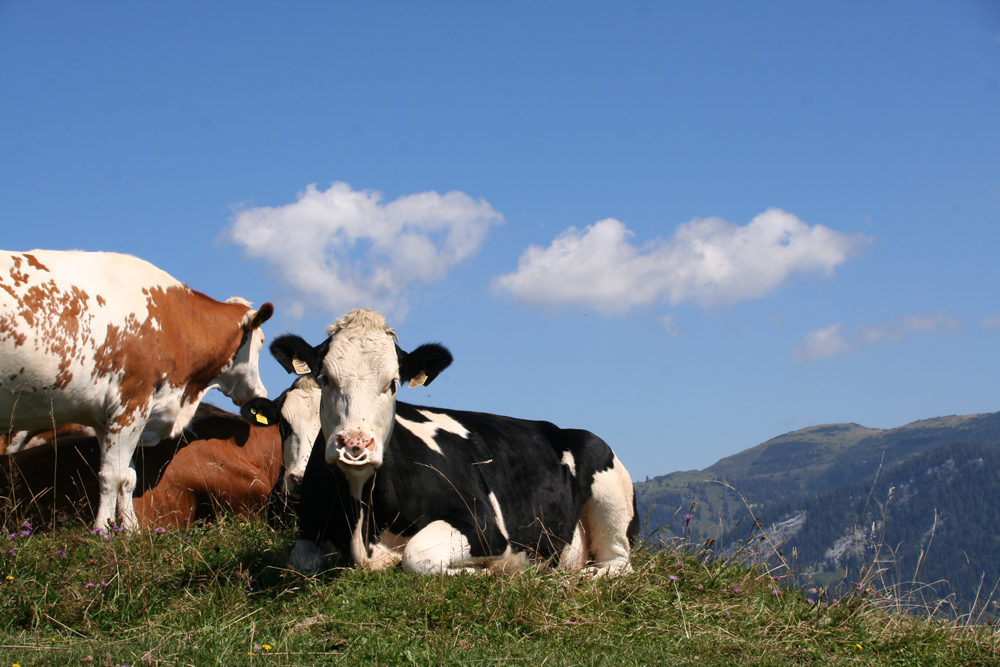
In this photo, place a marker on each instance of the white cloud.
(834, 339)
(342, 248)
(707, 261)
(671, 327)
(821, 343)
(991, 322)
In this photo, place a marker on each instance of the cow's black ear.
(423, 364)
(261, 411)
(296, 355)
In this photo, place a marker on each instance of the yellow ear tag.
(261, 419)
(300, 367)
(420, 378)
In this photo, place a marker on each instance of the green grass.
(222, 595)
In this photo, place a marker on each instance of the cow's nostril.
(295, 480)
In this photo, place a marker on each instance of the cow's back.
(65, 320)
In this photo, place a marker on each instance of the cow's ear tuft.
(262, 315)
(295, 355)
(425, 363)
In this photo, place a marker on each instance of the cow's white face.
(240, 379)
(358, 370)
(300, 409)
(359, 375)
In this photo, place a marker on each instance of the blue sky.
(687, 227)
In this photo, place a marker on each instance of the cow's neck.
(357, 480)
(210, 338)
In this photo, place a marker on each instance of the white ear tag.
(300, 367)
(418, 380)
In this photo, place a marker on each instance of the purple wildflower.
(688, 517)
(809, 600)
(60, 553)
(672, 577)
(736, 591)
(775, 592)
(104, 584)
(89, 584)
(12, 552)
(97, 531)
(160, 529)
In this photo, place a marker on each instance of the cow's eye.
(390, 388)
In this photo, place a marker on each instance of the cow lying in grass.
(439, 490)
(221, 464)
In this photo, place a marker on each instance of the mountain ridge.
(791, 466)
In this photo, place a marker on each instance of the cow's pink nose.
(356, 445)
(294, 480)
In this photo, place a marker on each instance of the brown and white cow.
(112, 342)
(220, 464)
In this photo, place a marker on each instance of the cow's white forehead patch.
(428, 429)
(362, 320)
(362, 348)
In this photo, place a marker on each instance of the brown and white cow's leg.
(117, 476)
(605, 519)
(438, 548)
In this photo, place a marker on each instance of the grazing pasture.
(222, 594)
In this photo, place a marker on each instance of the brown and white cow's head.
(359, 368)
(240, 378)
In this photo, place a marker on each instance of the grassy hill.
(221, 595)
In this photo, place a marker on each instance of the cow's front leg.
(117, 479)
(439, 547)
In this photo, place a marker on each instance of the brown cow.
(221, 463)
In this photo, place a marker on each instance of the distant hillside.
(933, 519)
(793, 466)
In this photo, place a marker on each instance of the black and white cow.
(442, 490)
